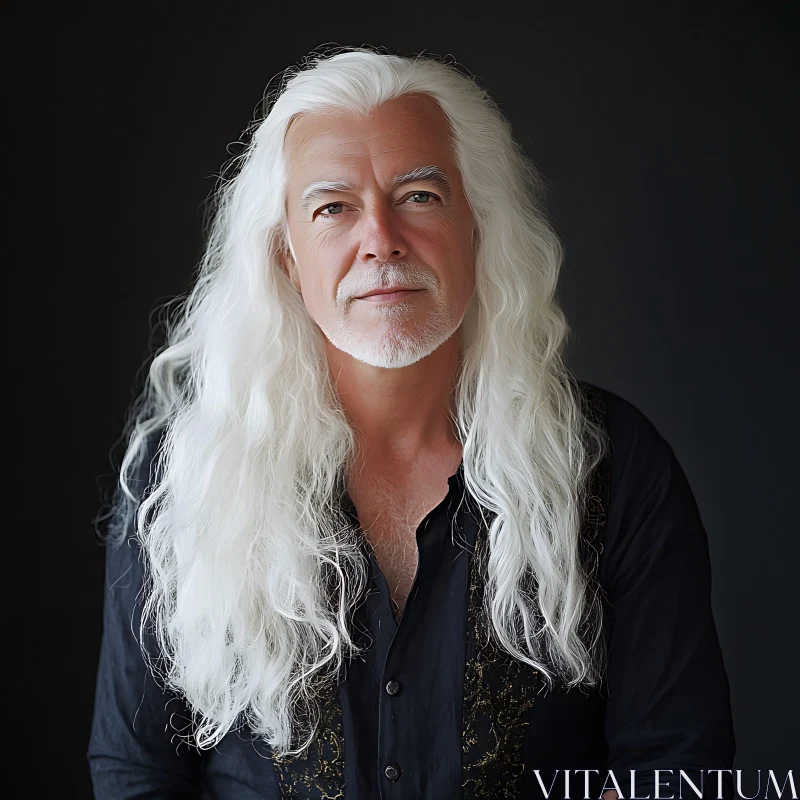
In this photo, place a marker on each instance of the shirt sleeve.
(135, 748)
(668, 693)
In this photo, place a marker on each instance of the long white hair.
(252, 570)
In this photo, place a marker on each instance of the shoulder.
(142, 475)
(121, 539)
(124, 559)
(652, 515)
(640, 457)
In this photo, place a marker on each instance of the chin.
(392, 350)
(398, 342)
(388, 359)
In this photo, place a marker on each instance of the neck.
(399, 413)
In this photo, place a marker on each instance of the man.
(387, 545)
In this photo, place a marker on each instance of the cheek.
(325, 260)
(319, 295)
(448, 247)
(434, 241)
(462, 268)
(320, 299)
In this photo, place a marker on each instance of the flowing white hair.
(252, 570)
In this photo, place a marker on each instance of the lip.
(387, 294)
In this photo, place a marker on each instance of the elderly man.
(373, 539)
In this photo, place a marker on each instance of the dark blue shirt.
(427, 712)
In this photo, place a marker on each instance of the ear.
(288, 266)
(476, 238)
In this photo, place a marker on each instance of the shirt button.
(392, 772)
(393, 687)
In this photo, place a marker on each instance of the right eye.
(321, 212)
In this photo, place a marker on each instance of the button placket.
(393, 742)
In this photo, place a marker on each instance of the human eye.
(321, 211)
(429, 198)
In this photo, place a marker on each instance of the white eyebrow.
(430, 173)
(315, 190)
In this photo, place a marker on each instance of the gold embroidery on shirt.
(319, 771)
(499, 690)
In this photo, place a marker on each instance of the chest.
(458, 720)
(390, 514)
(451, 727)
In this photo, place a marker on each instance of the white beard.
(400, 340)
(396, 346)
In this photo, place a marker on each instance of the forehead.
(401, 134)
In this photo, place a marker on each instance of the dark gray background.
(664, 131)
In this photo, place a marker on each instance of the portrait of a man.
(373, 538)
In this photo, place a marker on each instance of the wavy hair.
(252, 569)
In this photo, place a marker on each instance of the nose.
(381, 235)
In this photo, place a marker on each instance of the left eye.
(426, 195)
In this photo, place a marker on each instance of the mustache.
(359, 282)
